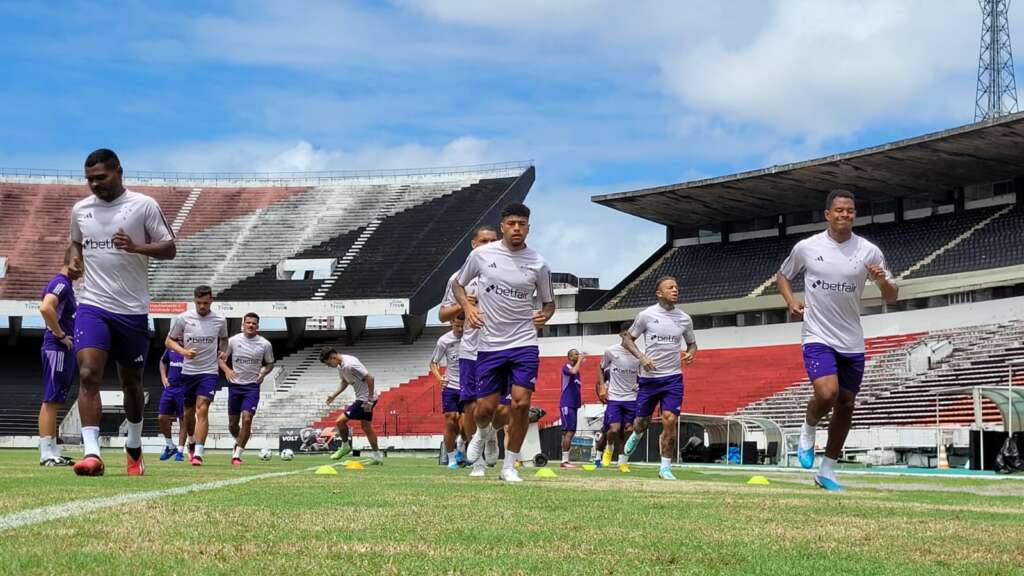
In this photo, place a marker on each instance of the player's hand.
(368, 405)
(223, 356)
(122, 241)
(539, 319)
(647, 363)
(189, 353)
(230, 375)
(474, 317)
(602, 397)
(259, 379)
(471, 298)
(688, 357)
(165, 383)
(329, 400)
(875, 272)
(68, 341)
(796, 310)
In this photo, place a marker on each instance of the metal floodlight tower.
(996, 94)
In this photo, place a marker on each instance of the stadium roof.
(983, 152)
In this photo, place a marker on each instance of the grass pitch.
(412, 516)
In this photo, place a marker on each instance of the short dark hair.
(325, 353)
(202, 290)
(664, 279)
(103, 156)
(571, 350)
(515, 209)
(839, 193)
(484, 228)
(625, 326)
(251, 315)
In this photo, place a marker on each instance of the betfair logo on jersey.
(658, 338)
(625, 371)
(239, 360)
(507, 292)
(90, 244)
(842, 287)
(200, 339)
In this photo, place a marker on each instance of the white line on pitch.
(75, 508)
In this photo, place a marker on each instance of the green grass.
(412, 516)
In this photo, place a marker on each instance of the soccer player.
(115, 232)
(59, 367)
(446, 353)
(252, 358)
(617, 376)
(203, 335)
(836, 264)
(450, 309)
(665, 329)
(570, 402)
(172, 404)
(352, 373)
(508, 274)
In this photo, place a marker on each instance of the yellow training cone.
(354, 465)
(545, 473)
(758, 481)
(325, 470)
(589, 467)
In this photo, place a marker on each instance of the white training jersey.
(446, 353)
(353, 373)
(622, 370)
(203, 334)
(470, 336)
(665, 332)
(115, 280)
(507, 283)
(834, 278)
(248, 356)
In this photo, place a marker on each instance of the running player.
(665, 328)
(570, 402)
(836, 264)
(508, 273)
(172, 404)
(115, 232)
(252, 358)
(203, 335)
(450, 309)
(446, 354)
(618, 376)
(59, 367)
(352, 373)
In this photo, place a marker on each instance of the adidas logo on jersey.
(139, 359)
(819, 259)
(492, 265)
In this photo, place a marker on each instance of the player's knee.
(246, 418)
(89, 377)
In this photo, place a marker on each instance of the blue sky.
(604, 96)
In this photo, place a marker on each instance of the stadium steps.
(952, 243)
(629, 288)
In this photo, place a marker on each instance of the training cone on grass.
(589, 467)
(354, 465)
(326, 471)
(758, 481)
(545, 473)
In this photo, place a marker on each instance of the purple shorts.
(666, 390)
(451, 400)
(355, 411)
(172, 402)
(569, 418)
(59, 368)
(124, 336)
(821, 360)
(467, 380)
(621, 412)
(243, 398)
(194, 385)
(497, 372)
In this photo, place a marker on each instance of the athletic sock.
(169, 442)
(623, 459)
(54, 448)
(510, 460)
(45, 452)
(199, 450)
(191, 439)
(181, 449)
(565, 456)
(91, 439)
(828, 468)
(237, 452)
(666, 462)
(460, 444)
(806, 436)
(134, 439)
(377, 456)
(451, 457)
